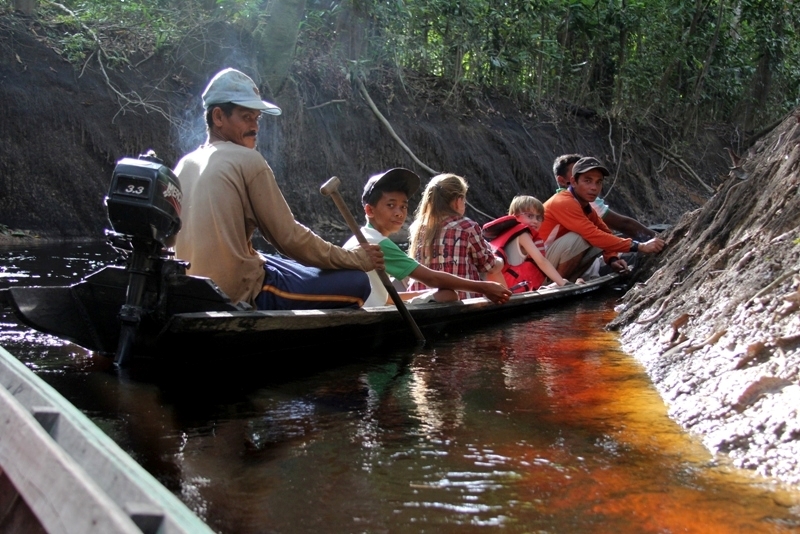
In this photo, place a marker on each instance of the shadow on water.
(538, 424)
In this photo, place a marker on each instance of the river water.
(537, 424)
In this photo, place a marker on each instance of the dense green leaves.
(683, 61)
(732, 60)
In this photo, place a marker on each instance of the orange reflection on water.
(640, 472)
(536, 425)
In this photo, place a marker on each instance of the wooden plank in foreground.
(73, 477)
(15, 514)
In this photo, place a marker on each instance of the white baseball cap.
(236, 87)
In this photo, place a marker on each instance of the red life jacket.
(520, 278)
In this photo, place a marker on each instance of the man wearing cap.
(562, 171)
(385, 201)
(229, 190)
(573, 232)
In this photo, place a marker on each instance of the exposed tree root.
(388, 126)
(125, 100)
(656, 315)
(677, 160)
(396, 137)
(328, 103)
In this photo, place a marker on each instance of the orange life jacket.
(520, 278)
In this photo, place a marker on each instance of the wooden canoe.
(192, 312)
(60, 473)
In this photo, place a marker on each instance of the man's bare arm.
(491, 290)
(628, 226)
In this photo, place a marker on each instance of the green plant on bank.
(682, 62)
(131, 26)
(688, 62)
(6, 231)
(124, 28)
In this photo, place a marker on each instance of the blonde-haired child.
(518, 242)
(443, 239)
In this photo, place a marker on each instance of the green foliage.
(120, 29)
(683, 61)
(735, 60)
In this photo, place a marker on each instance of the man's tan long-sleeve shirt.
(229, 191)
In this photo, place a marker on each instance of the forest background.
(664, 69)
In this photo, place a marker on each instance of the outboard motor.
(144, 207)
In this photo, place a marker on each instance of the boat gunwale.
(266, 320)
(88, 458)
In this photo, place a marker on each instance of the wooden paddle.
(331, 189)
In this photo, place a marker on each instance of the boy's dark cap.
(587, 164)
(398, 179)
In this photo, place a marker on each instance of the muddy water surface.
(539, 424)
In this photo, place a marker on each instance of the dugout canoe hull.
(60, 473)
(189, 312)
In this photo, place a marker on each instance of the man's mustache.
(251, 133)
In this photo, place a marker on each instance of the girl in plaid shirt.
(443, 239)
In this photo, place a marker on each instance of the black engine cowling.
(144, 209)
(144, 200)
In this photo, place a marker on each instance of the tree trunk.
(276, 36)
(699, 10)
(762, 77)
(621, 58)
(698, 86)
(26, 7)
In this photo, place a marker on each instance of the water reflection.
(65, 263)
(538, 424)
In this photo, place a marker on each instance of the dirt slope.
(717, 324)
(60, 133)
(65, 127)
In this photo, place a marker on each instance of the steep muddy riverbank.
(717, 323)
(56, 157)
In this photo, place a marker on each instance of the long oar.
(331, 189)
